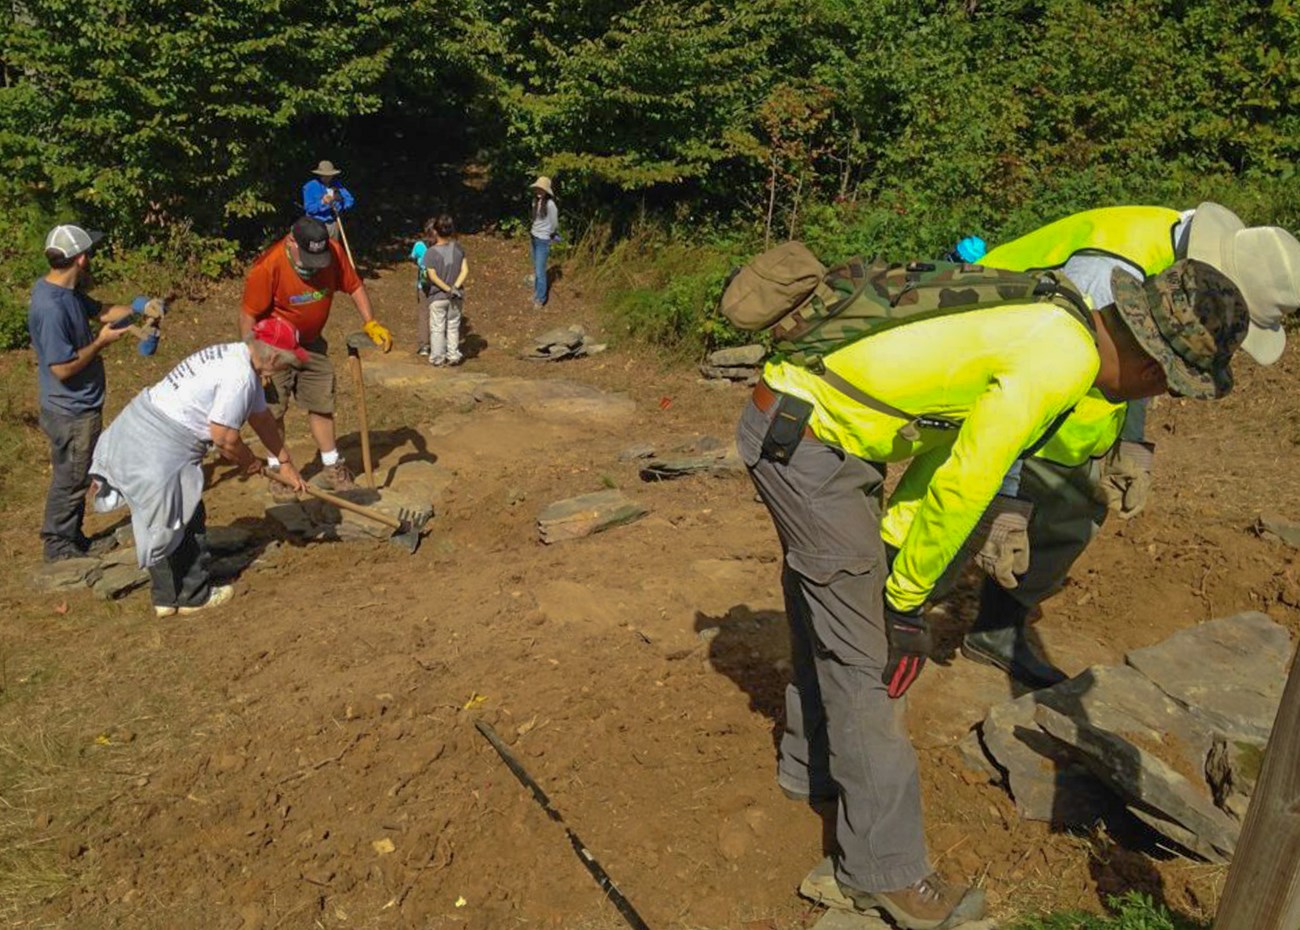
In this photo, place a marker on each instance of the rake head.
(412, 522)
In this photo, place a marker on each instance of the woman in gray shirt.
(546, 226)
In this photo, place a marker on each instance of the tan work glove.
(999, 544)
(1126, 477)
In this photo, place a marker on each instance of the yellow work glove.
(999, 544)
(379, 334)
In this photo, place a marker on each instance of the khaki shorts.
(312, 385)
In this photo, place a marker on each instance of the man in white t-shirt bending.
(150, 458)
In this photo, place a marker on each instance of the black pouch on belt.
(784, 433)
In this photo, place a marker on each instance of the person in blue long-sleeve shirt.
(324, 198)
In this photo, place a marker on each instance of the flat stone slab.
(749, 356)
(667, 469)
(225, 540)
(67, 573)
(1162, 797)
(118, 580)
(313, 520)
(558, 398)
(587, 514)
(1050, 783)
(1272, 524)
(1229, 672)
(1046, 782)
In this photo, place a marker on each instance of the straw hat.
(1264, 263)
(326, 169)
(543, 183)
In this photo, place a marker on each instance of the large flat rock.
(587, 514)
(1230, 672)
(1161, 796)
(66, 573)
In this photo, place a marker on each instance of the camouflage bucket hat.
(1190, 318)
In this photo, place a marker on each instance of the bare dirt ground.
(251, 768)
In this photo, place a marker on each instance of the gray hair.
(264, 352)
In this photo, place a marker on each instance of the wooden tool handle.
(343, 503)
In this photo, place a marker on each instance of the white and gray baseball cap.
(70, 241)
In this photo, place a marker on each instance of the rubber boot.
(999, 638)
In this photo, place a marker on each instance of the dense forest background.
(696, 130)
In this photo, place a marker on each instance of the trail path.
(306, 757)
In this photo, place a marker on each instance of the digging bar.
(356, 342)
(406, 525)
(622, 904)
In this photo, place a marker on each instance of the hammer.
(356, 342)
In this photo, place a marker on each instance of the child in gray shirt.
(445, 270)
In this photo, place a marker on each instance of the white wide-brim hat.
(1264, 263)
(543, 183)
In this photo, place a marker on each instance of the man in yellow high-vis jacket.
(1100, 455)
(1005, 374)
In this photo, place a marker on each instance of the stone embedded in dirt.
(225, 540)
(1152, 786)
(642, 450)
(124, 535)
(738, 356)
(66, 573)
(1232, 769)
(115, 581)
(1229, 672)
(553, 397)
(1049, 782)
(667, 469)
(587, 514)
(1271, 524)
(1045, 781)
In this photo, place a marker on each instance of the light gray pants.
(841, 728)
(444, 330)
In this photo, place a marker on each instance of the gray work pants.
(72, 443)
(841, 727)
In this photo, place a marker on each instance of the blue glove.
(137, 305)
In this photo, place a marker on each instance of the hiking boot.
(1009, 649)
(217, 595)
(820, 887)
(336, 477)
(281, 493)
(930, 904)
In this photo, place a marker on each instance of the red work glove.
(909, 644)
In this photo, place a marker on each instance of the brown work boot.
(336, 477)
(281, 493)
(930, 904)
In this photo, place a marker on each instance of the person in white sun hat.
(1100, 454)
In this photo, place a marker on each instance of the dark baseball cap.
(313, 243)
(1190, 318)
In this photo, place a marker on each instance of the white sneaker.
(218, 595)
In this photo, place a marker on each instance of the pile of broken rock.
(1175, 736)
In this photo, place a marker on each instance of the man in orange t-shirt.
(295, 280)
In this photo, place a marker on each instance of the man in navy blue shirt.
(324, 198)
(71, 379)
